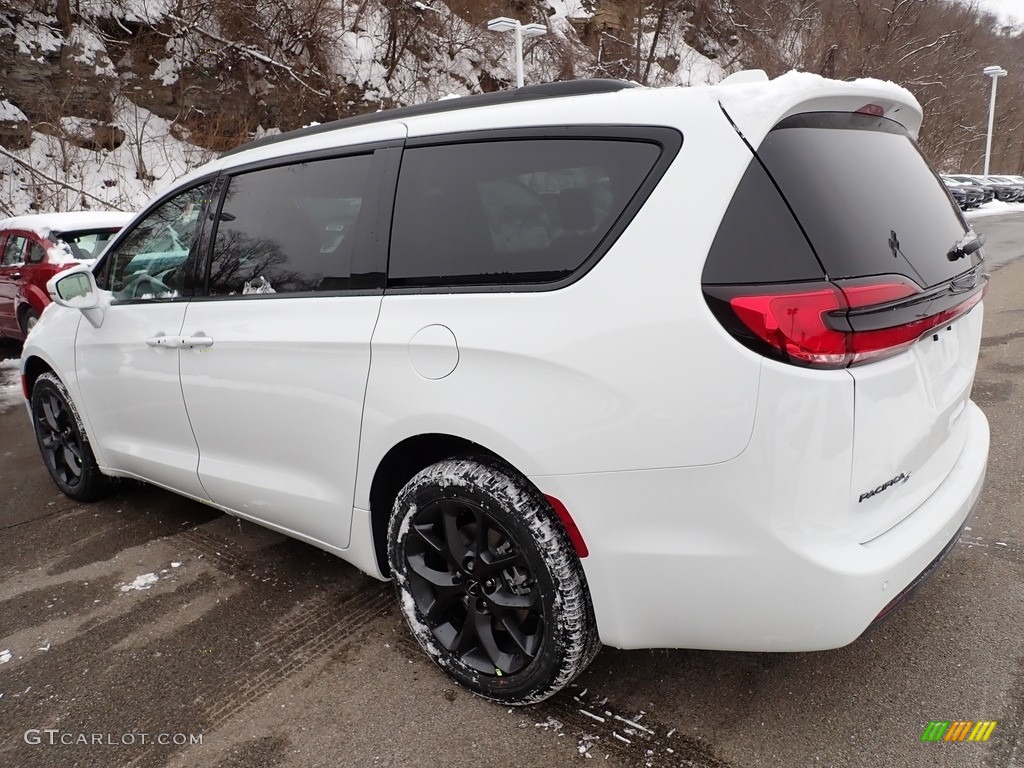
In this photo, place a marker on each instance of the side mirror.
(76, 288)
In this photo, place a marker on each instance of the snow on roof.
(44, 223)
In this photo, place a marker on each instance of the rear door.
(875, 213)
(274, 385)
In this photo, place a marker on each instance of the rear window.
(510, 211)
(866, 197)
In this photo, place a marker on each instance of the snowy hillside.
(147, 90)
(102, 102)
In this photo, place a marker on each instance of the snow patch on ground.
(572, 9)
(10, 113)
(10, 384)
(994, 208)
(150, 11)
(145, 581)
(92, 50)
(35, 34)
(166, 71)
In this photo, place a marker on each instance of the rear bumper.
(698, 558)
(903, 597)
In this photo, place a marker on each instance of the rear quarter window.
(512, 211)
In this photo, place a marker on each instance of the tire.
(489, 582)
(29, 318)
(63, 443)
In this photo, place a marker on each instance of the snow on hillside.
(69, 177)
(448, 57)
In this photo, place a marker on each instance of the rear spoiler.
(754, 104)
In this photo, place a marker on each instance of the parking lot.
(148, 630)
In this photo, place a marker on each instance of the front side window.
(290, 229)
(513, 211)
(150, 263)
(14, 252)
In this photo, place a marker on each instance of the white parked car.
(581, 363)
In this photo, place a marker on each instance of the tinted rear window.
(866, 197)
(512, 211)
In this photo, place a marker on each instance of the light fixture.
(995, 73)
(505, 24)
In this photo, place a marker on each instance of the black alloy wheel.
(62, 443)
(488, 581)
(474, 587)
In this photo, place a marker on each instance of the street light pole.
(505, 24)
(995, 73)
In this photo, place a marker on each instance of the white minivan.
(578, 364)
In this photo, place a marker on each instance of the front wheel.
(63, 443)
(28, 321)
(489, 582)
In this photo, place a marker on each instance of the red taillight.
(872, 345)
(794, 323)
(811, 325)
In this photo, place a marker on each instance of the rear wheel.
(63, 443)
(489, 582)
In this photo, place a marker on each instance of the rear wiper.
(970, 243)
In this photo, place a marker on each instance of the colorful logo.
(958, 730)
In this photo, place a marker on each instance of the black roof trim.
(527, 93)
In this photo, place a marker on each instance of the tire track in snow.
(320, 626)
(221, 553)
(317, 628)
(600, 728)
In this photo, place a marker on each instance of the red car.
(34, 248)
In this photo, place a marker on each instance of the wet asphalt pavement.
(272, 653)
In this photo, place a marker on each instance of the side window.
(150, 262)
(14, 252)
(87, 245)
(36, 253)
(289, 229)
(513, 211)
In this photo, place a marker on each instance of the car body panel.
(141, 424)
(909, 424)
(276, 406)
(708, 562)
